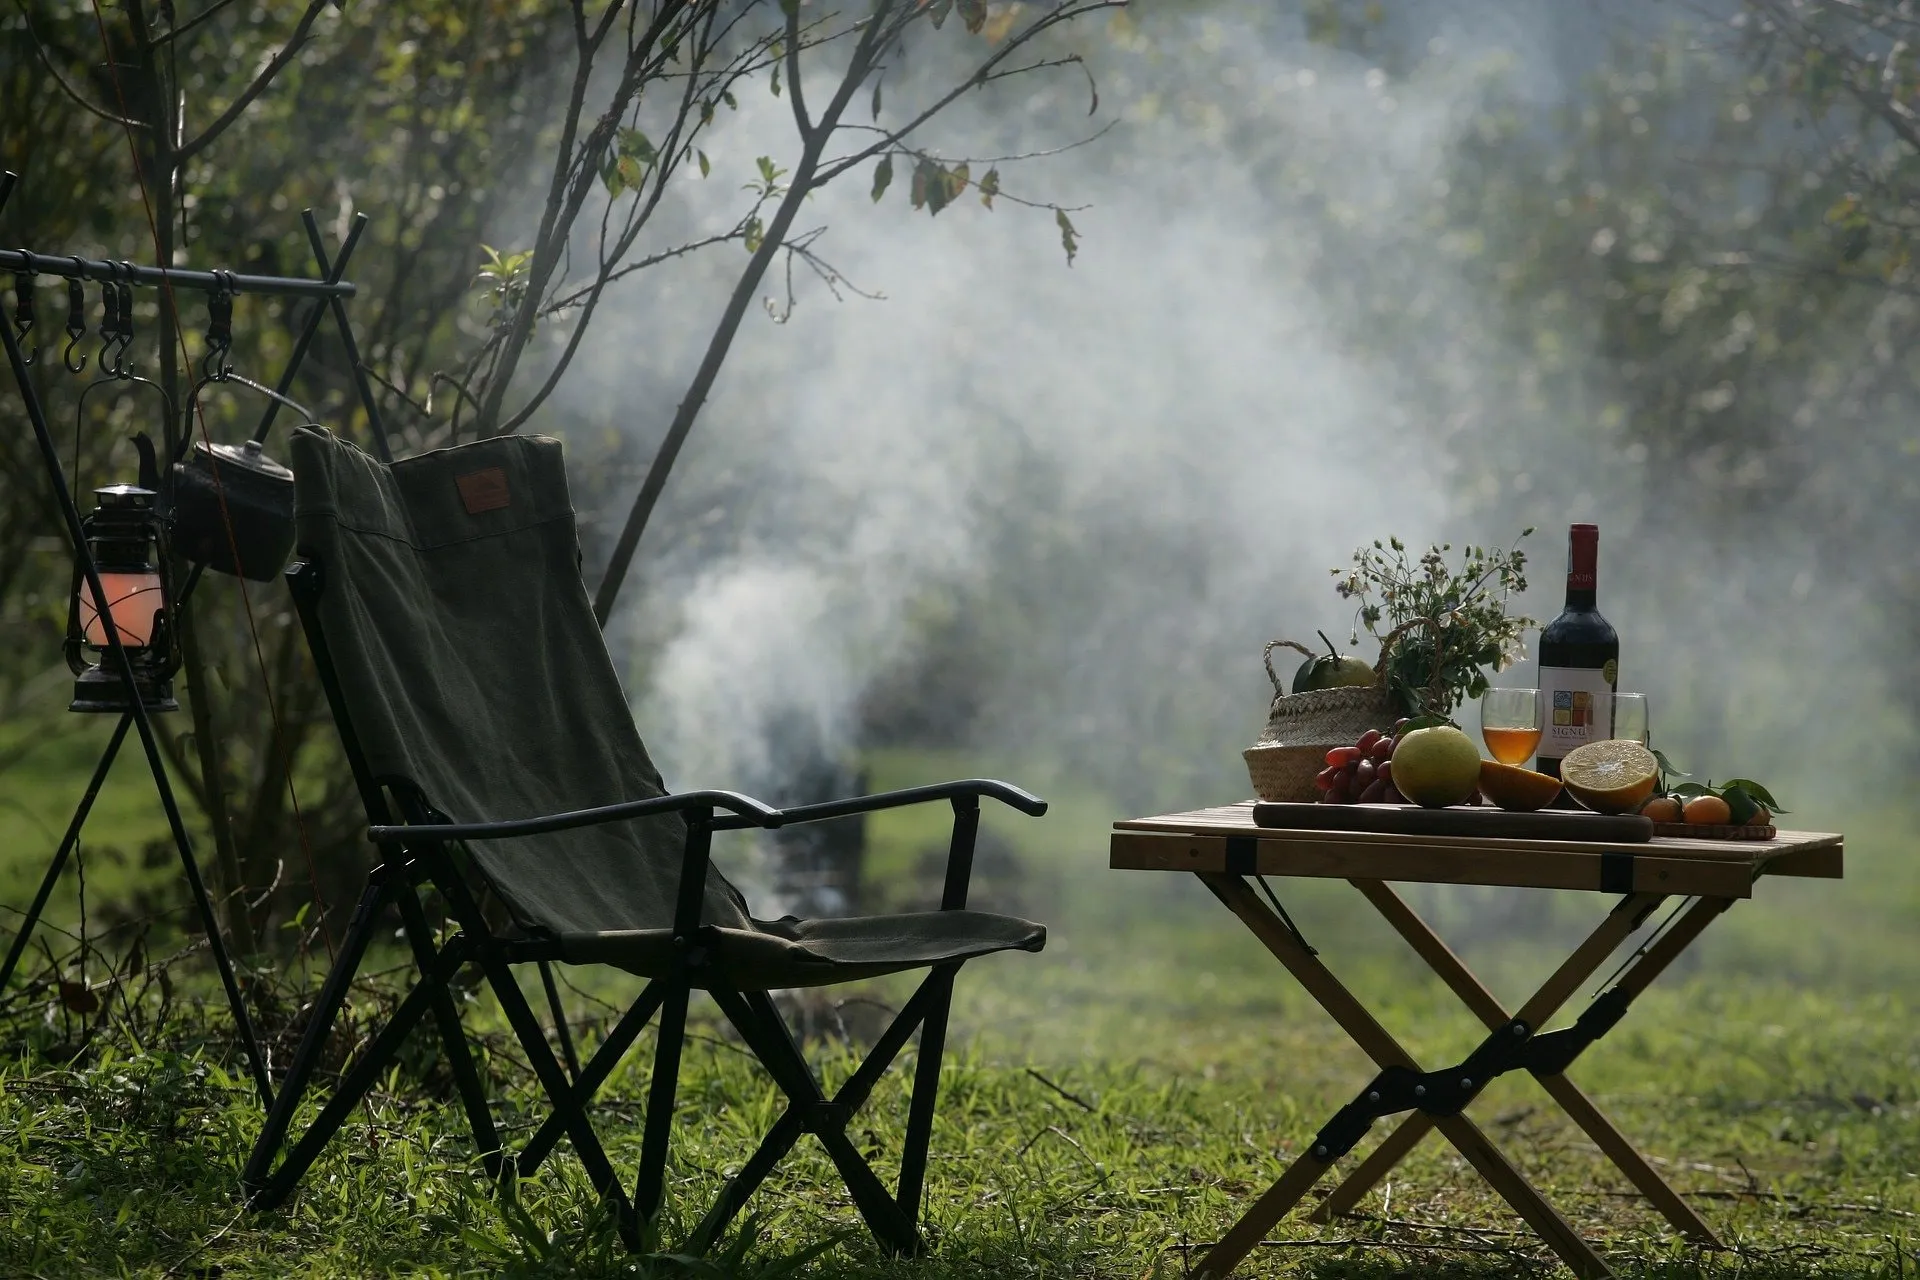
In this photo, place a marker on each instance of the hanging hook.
(122, 367)
(109, 318)
(76, 323)
(216, 366)
(23, 313)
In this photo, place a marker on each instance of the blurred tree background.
(1698, 263)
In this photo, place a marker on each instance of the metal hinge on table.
(1446, 1092)
(1243, 860)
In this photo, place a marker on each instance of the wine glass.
(1510, 723)
(1630, 716)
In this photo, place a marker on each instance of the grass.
(1112, 1100)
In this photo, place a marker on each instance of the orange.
(1511, 787)
(1707, 811)
(1661, 809)
(1615, 776)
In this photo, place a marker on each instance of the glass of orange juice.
(1510, 723)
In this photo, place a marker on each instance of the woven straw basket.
(1301, 727)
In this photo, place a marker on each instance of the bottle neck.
(1583, 558)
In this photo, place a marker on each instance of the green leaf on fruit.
(1690, 789)
(1667, 767)
(1755, 790)
(1741, 806)
(1427, 722)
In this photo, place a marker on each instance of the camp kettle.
(222, 484)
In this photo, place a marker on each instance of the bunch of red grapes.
(1363, 772)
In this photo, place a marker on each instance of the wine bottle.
(1579, 661)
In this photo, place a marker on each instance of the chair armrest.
(748, 813)
(1006, 793)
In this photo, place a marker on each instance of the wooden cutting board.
(1459, 820)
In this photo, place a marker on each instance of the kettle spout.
(149, 462)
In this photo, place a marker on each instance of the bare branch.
(980, 76)
(79, 99)
(567, 193)
(794, 95)
(259, 86)
(192, 22)
(805, 180)
(572, 300)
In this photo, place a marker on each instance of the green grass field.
(1112, 1100)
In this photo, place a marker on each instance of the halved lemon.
(1615, 776)
(1511, 787)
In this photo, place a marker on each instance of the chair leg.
(649, 1188)
(453, 1039)
(599, 1067)
(560, 1029)
(533, 1042)
(773, 1043)
(926, 1092)
(306, 1057)
(359, 1078)
(788, 1128)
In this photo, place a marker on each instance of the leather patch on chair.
(484, 490)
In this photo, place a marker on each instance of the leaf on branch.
(1000, 23)
(956, 183)
(776, 80)
(756, 233)
(937, 12)
(925, 175)
(882, 177)
(974, 14)
(706, 166)
(634, 143)
(1069, 238)
(989, 187)
(878, 81)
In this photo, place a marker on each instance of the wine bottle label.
(1577, 707)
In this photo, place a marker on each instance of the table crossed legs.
(1437, 1099)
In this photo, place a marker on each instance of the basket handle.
(1266, 656)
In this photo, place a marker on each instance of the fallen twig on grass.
(1075, 1099)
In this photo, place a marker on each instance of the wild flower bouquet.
(1440, 630)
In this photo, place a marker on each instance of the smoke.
(1051, 513)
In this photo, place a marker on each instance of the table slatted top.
(1226, 839)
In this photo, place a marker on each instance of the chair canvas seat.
(784, 953)
(473, 692)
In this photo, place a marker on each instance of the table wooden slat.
(1198, 841)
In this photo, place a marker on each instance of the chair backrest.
(468, 665)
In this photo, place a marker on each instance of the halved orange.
(1511, 787)
(1615, 776)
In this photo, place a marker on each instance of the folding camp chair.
(494, 751)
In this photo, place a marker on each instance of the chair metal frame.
(416, 850)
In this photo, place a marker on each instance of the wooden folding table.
(1224, 846)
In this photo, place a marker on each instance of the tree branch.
(566, 195)
(259, 86)
(794, 95)
(804, 182)
(79, 100)
(981, 75)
